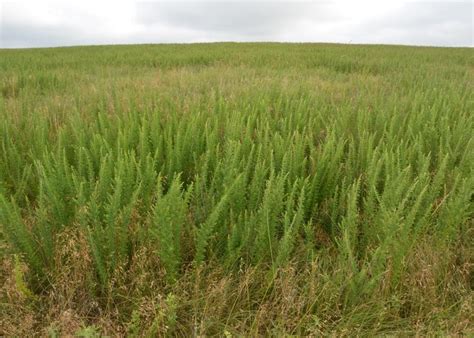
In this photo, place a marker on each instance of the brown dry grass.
(434, 295)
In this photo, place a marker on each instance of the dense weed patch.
(236, 189)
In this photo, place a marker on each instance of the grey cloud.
(424, 23)
(254, 19)
(16, 34)
(19, 32)
(442, 23)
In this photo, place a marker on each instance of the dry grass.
(435, 295)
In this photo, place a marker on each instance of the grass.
(236, 189)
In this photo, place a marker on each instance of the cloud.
(29, 23)
(255, 20)
(424, 23)
(35, 23)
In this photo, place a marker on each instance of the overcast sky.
(39, 23)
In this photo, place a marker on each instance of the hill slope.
(236, 189)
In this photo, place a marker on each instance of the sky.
(49, 23)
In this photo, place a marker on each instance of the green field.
(236, 189)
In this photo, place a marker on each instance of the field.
(236, 189)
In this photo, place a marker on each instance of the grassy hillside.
(236, 189)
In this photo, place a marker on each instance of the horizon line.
(238, 42)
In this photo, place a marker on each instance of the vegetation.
(236, 189)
